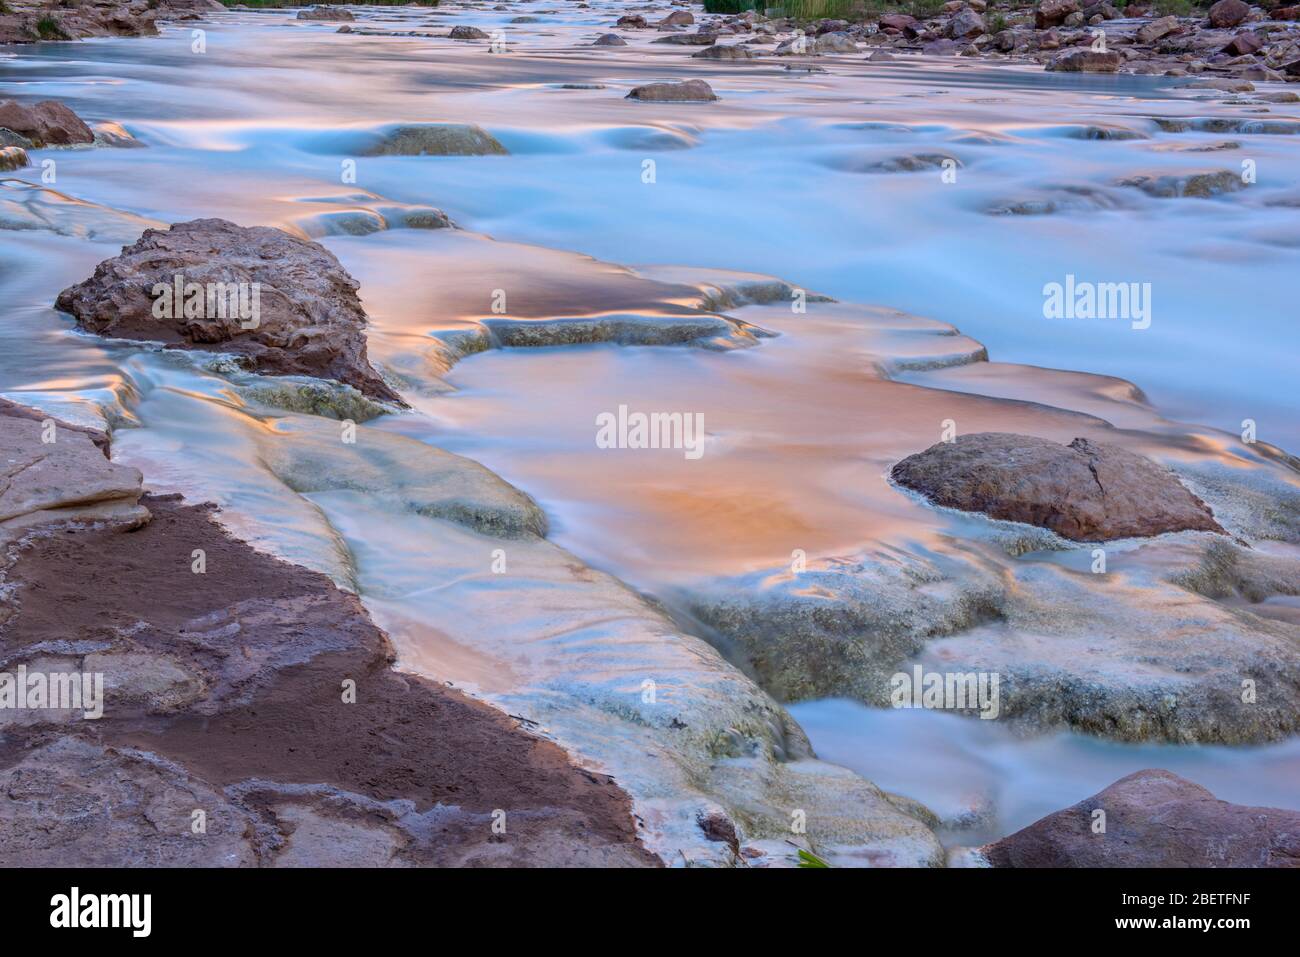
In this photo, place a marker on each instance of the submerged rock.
(609, 40)
(47, 123)
(308, 320)
(1198, 185)
(115, 135)
(1083, 491)
(437, 139)
(1155, 819)
(688, 91)
(1227, 124)
(912, 163)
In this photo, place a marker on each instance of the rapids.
(804, 412)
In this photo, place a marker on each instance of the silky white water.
(258, 129)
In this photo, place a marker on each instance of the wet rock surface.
(435, 139)
(1154, 818)
(47, 123)
(12, 158)
(310, 319)
(225, 693)
(1082, 491)
(54, 472)
(690, 91)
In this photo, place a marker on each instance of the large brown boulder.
(1245, 43)
(47, 123)
(308, 318)
(1086, 60)
(1228, 13)
(1153, 31)
(1052, 13)
(678, 18)
(1082, 491)
(1155, 819)
(966, 24)
(897, 22)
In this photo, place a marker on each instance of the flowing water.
(611, 208)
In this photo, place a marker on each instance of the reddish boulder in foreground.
(309, 320)
(47, 123)
(1082, 491)
(1155, 819)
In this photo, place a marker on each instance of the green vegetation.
(1178, 8)
(809, 859)
(731, 6)
(995, 22)
(47, 28)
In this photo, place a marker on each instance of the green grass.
(809, 859)
(47, 28)
(731, 6)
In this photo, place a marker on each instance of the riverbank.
(249, 715)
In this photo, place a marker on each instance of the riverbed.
(609, 207)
